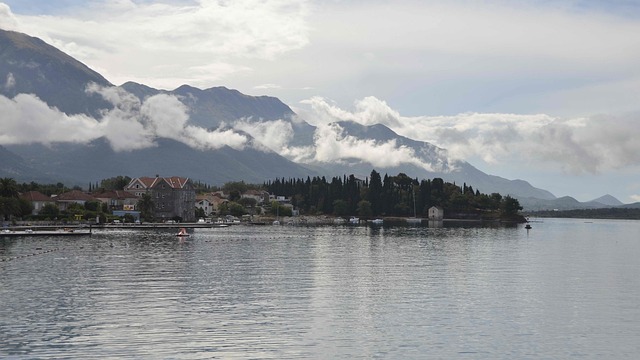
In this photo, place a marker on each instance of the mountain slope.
(29, 65)
(81, 164)
(459, 172)
(211, 107)
(608, 200)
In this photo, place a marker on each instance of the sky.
(544, 91)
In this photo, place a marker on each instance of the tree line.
(398, 195)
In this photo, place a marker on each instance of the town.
(176, 199)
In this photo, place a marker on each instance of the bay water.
(564, 289)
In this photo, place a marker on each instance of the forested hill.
(391, 196)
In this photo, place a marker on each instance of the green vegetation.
(375, 196)
(392, 196)
(10, 202)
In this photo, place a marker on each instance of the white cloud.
(635, 198)
(10, 82)
(27, 119)
(208, 40)
(577, 145)
(274, 135)
(129, 125)
(8, 20)
(161, 115)
(332, 145)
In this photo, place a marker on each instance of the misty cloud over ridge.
(130, 125)
(578, 145)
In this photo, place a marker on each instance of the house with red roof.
(37, 199)
(172, 196)
(72, 197)
(117, 199)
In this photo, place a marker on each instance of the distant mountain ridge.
(211, 107)
(29, 65)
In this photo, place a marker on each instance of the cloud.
(27, 119)
(635, 198)
(274, 135)
(267, 86)
(8, 21)
(10, 82)
(332, 145)
(163, 116)
(130, 125)
(209, 39)
(577, 145)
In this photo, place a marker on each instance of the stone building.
(173, 197)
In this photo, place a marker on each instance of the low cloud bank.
(578, 145)
(130, 125)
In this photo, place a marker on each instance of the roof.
(176, 182)
(35, 196)
(115, 194)
(74, 195)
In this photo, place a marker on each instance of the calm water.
(567, 289)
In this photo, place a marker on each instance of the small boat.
(377, 221)
(528, 227)
(182, 232)
(354, 220)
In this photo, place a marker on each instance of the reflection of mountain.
(28, 65)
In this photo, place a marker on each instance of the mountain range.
(97, 130)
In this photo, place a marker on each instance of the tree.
(10, 202)
(147, 207)
(364, 209)
(235, 186)
(115, 183)
(93, 205)
(236, 209)
(339, 207)
(248, 203)
(50, 211)
(510, 206)
(8, 188)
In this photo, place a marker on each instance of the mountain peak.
(609, 200)
(36, 67)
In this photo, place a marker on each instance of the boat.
(182, 233)
(354, 220)
(528, 227)
(277, 220)
(377, 221)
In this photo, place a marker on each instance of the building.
(210, 203)
(436, 213)
(37, 199)
(72, 197)
(173, 197)
(117, 200)
(260, 196)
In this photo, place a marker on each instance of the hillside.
(155, 136)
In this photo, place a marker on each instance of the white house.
(436, 213)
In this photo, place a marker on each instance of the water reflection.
(567, 289)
